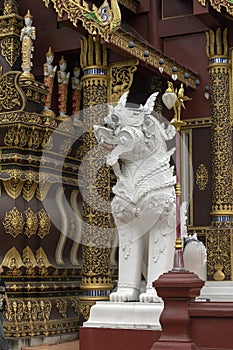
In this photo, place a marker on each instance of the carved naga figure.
(144, 203)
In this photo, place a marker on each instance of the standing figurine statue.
(63, 81)
(76, 91)
(28, 35)
(49, 74)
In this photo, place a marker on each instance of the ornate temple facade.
(61, 63)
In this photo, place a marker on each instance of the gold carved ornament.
(202, 177)
(103, 20)
(11, 96)
(75, 305)
(13, 187)
(35, 223)
(13, 222)
(218, 4)
(10, 7)
(20, 183)
(31, 137)
(42, 190)
(40, 327)
(29, 261)
(121, 78)
(84, 308)
(11, 24)
(42, 262)
(29, 189)
(14, 261)
(30, 310)
(219, 256)
(11, 49)
(61, 305)
(31, 224)
(44, 223)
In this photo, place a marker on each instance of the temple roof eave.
(119, 40)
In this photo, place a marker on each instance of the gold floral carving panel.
(121, 78)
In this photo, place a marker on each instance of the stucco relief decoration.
(13, 222)
(103, 20)
(202, 177)
(218, 4)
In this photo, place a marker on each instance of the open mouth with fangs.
(107, 146)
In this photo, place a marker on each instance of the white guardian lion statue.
(144, 204)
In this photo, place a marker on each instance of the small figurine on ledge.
(76, 91)
(28, 35)
(63, 81)
(49, 74)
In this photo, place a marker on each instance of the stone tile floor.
(72, 345)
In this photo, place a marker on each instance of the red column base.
(176, 289)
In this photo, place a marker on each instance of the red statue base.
(177, 289)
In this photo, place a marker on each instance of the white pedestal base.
(128, 315)
(217, 291)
